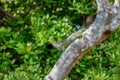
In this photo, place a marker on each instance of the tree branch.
(33, 7)
(102, 14)
(7, 14)
(106, 21)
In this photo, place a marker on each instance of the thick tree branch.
(106, 21)
(102, 14)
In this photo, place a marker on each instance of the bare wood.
(106, 21)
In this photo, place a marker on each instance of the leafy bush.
(25, 45)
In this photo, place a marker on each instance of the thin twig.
(33, 7)
(7, 14)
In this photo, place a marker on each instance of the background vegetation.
(26, 52)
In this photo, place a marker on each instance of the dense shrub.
(25, 44)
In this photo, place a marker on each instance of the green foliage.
(25, 72)
(83, 7)
(25, 45)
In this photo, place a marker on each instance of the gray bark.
(77, 44)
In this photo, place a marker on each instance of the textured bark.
(77, 44)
